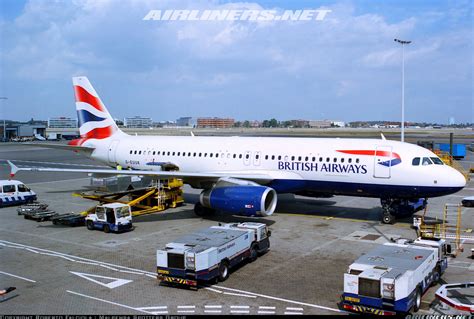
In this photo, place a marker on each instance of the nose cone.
(457, 179)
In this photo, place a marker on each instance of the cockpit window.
(426, 161)
(437, 160)
(416, 161)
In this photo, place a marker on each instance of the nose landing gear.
(393, 208)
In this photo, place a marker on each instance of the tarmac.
(71, 270)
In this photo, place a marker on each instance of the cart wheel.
(90, 225)
(55, 222)
(417, 304)
(106, 229)
(223, 271)
(253, 252)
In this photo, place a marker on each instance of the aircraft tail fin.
(95, 121)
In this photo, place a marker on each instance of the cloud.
(346, 66)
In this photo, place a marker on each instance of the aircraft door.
(382, 161)
(113, 151)
(256, 158)
(247, 159)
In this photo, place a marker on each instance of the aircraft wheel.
(388, 218)
(253, 252)
(417, 304)
(106, 229)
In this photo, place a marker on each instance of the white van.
(15, 193)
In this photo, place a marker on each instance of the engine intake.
(240, 197)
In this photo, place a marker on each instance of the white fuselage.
(320, 165)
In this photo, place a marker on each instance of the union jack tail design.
(95, 122)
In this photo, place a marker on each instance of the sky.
(346, 67)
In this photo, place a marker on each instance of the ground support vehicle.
(392, 278)
(14, 192)
(36, 207)
(209, 254)
(112, 217)
(71, 219)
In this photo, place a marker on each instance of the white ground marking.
(266, 312)
(109, 302)
(185, 311)
(239, 311)
(212, 289)
(213, 311)
(186, 307)
(295, 309)
(153, 308)
(153, 275)
(285, 300)
(12, 275)
(116, 282)
(292, 313)
(212, 306)
(267, 307)
(239, 295)
(159, 312)
(239, 307)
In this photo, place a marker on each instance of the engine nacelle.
(240, 197)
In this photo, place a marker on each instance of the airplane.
(244, 175)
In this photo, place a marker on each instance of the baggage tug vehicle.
(392, 278)
(209, 254)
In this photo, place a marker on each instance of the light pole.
(4, 125)
(403, 43)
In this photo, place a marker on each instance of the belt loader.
(209, 254)
(392, 278)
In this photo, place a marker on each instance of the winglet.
(383, 136)
(13, 169)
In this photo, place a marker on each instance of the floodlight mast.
(403, 43)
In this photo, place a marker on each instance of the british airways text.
(325, 167)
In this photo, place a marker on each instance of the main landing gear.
(393, 208)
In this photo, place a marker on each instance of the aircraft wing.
(84, 149)
(257, 176)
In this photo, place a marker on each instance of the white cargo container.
(392, 278)
(209, 254)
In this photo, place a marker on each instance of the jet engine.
(239, 197)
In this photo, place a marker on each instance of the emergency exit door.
(382, 161)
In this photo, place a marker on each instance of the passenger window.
(189, 154)
(327, 159)
(135, 152)
(320, 159)
(194, 154)
(437, 160)
(335, 160)
(342, 160)
(200, 154)
(211, 154)
(240, 155)
(247, 156)
(173, 153)
(415, 161)
(257, 156)
(426, 161)
(266, 157)
(205, 154)
(8, 188)
(357, 160)
(292, 158)
(130, 151)
(306, 159)
(234, 156)
(273, 157)
(350, 160)
(178, 153)
(313, 159)
(23, 188)
(299, 158)
(279, 157)
(169, 153)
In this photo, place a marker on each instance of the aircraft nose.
(457, 179)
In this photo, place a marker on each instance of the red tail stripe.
(97, 133)
(83, 96)
(369, 152)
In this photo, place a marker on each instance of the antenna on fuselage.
(192, 134)
(383, 136)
